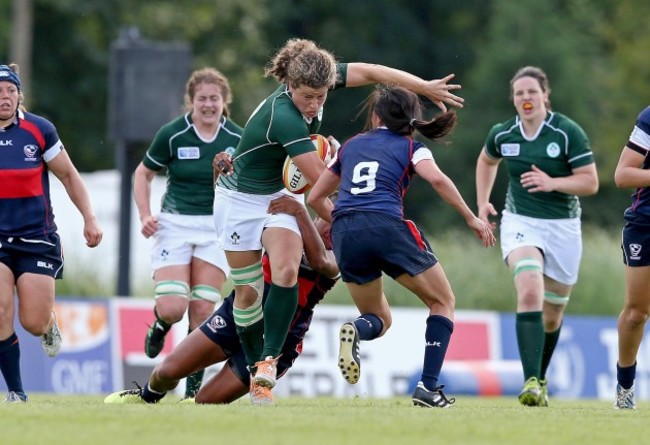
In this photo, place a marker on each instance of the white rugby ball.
(292, 177)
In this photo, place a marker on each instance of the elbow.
(620, 180)
(437, 182)
(312, 201)
(326, 268)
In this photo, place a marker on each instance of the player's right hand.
(222, 163)
(149, 225)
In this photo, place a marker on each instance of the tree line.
(592, 51)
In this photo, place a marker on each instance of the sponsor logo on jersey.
(30, 151)
(189, 153)
(635, 251)
(216, 323)
(45, 265)
(510, 149)
(553, 150)
(6, 143)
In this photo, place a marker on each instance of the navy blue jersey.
(25, 147)
(640, 142)
(375, 170)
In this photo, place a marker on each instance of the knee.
(635, 316)
(553, 315)
(172, 298)
(35, 325)
(285, 275)
(6, 316)
(170, 309)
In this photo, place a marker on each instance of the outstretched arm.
(438, 90)
(430, 172)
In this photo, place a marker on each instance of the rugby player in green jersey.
(550, 164)
(189, 267)
(278, 127)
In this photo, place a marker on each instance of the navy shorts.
(220, 328)
(635, 242)
(368, 243)
(43, 256)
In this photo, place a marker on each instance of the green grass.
(52, 420)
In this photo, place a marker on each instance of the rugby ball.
(292, 177)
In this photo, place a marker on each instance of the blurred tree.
(561, 37)
(592, 50)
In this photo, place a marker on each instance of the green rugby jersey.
(274, 130)
(188, 159)
(559, 146)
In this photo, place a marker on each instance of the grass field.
(52, 420)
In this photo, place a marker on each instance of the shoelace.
(442, 395)
(624, 397)
(134, 391)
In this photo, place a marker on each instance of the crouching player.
(216, 339)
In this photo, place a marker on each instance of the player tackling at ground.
(216, 340)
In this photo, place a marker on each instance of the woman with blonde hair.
(189, 267)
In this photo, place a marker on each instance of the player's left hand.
(439, 91)
(536, 180)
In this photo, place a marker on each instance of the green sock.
(550, 342)
(193, 384)
(252, 341)
(194, 381)
(279, 310)
(530, 339)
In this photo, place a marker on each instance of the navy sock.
(150, 396)
(10, 363)
(437, 338)
(369, 326)
(625, 376)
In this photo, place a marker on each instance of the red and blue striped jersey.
(25, 148)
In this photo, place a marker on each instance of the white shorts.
(181, 237)
(240, 218)
(560, 241)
